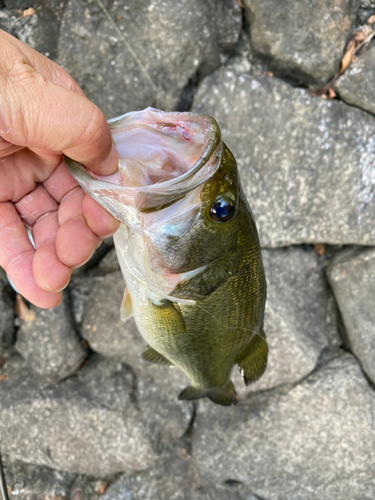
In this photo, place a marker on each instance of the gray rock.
(34, 482)
(356, 85)
(156, 56)
(7, 316)
(307, 164)
(102, 326)
(313, 440)
(87, 488)
(174, 478)
(109, 262)
(49, 342)
(367, 4)
(352, 277)
(301, 40)
(299, 321)
(40, 30)
(79, 288)
(364, 14)
(94, 423)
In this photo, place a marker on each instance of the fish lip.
(161, 194)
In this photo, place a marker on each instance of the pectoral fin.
(152, 356)
(126, 306)
(253, 360)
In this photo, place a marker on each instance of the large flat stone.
(49, 342)
(302, 40)
(39, 30)
(315, 440)
(96, 423)
(356, 85)
(307, 164)
(156, 56)
(352, 277)
(35, 482)
(174, 477)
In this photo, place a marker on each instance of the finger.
(35, 204)
(16, 257)
(98, 219)
(60, 182)
(22, 171)
(75, 242)
(50, 274)
(40, 114)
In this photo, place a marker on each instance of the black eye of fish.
(222, 210)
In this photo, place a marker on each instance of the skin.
(43, 115)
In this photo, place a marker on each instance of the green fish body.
(188, 249)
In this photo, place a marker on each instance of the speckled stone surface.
(303, 41)
(303, 443)
(307, 164)
(105, 424)
(94, 423)
(356, 85)
(352, 277)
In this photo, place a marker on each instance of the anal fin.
(126, 306)
(253, 360)
(152, 356)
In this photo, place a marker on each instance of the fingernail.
(110, 164)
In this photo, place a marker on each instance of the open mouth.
(153, 150)
(163, 156)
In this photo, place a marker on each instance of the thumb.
(37, 113)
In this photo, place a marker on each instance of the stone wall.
(82, 417)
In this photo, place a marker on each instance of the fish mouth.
(163, 157)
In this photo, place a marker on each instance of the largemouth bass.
(188, 249)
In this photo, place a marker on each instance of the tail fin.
(225, 395)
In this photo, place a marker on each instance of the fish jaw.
(163, 156)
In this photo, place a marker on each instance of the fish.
(188, 248)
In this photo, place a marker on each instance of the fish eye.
(222, 210)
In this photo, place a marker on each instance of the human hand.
(43, 115)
